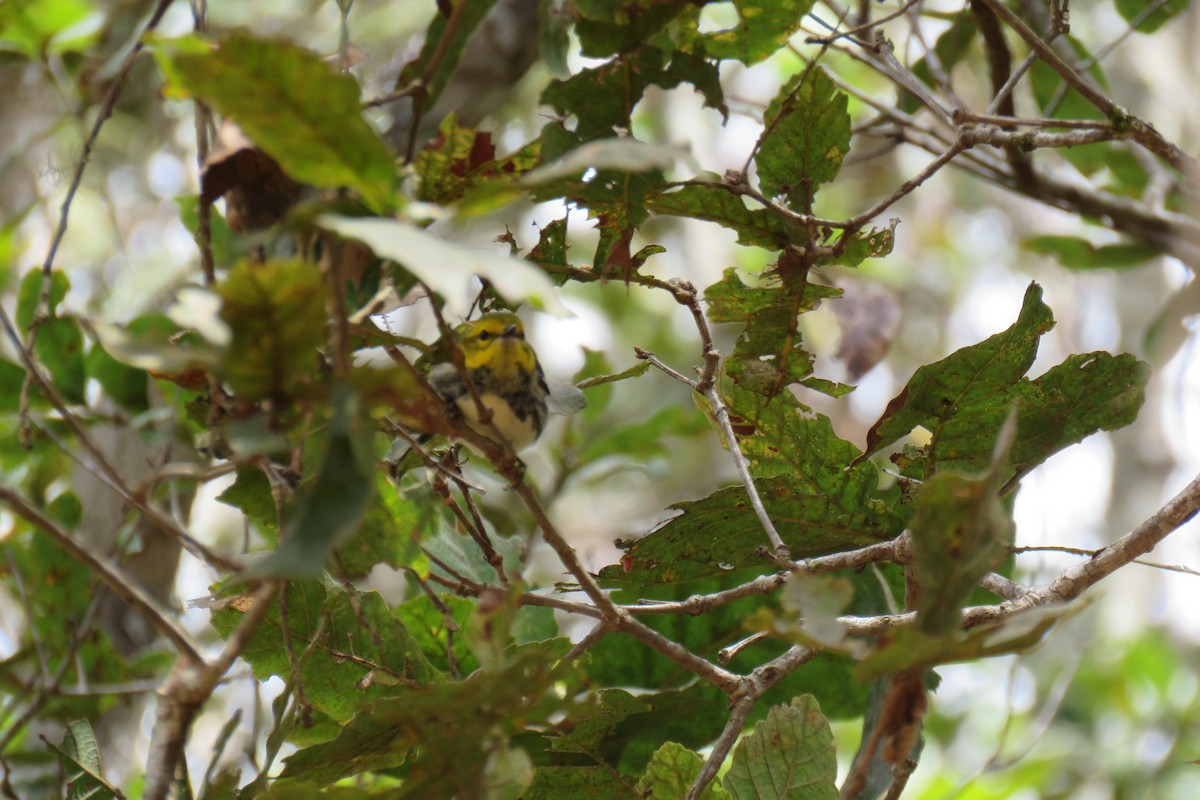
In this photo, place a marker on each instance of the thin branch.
(908, 186)
(203, 123)
(1029, 140)
(1141, 132)
(618, 617)
(1078, 551)
(50, 684)
(738, 714)
(655, 361)
(186, 689)
(853, 33)
(105, 111)
(113, 577)
(391, 97)
(750, 689)
(721, 414)
(420, 91)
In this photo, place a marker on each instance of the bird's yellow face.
(496, 341)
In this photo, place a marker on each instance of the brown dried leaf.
(870, 318)
(257, 192)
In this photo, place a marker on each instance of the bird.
(507, 376)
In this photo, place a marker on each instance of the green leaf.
(592, 725)
(755, 227)
(276, 313)
(873, 243)
(391, 533)
(470, 14)
(1138, 13)
(441, 725)
(979, 373)
(448, 268)
(768, 356)
(292, 105)
(362, 652)
(805, 138)
(908, 647)
(36, 27)
(605, 27)
(602, 98)
(962, 400)
(82, 763)
(30, 290)
(671, 773)
(722, 533)
(329, 509)
(1078, 253)
(460, 159)
(427, 624)
(579, 783)
(251, 494)
(789, 756)
(121, 382)
(80, 757)
(764, 26)
(960, 532)
(59, 345)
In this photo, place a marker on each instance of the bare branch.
(113, 577)
(1142, 133)
(186, 689)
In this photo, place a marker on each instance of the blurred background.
(1108, 707)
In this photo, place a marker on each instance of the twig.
(113, 577)
(285, 717)
(391, 97)
(900, 775)
(749, 690)
(738, 714)
(583, 645)
(101, 466)
(1029, 140)
(855, 223)
(186, 689)
(1002, 586)
(854, 32)
(420, 91)
(203, 123)
(1142, 133)
(991, 118)
(654, 361)
(1078, 551)
(720, 413)
(618, 617)
(50, 684)
(447, 620)
(105, 111)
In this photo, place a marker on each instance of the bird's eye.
(485, 335)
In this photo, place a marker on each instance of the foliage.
(471, 680)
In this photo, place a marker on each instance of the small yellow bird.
(506, 374)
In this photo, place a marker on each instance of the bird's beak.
(509, 332)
